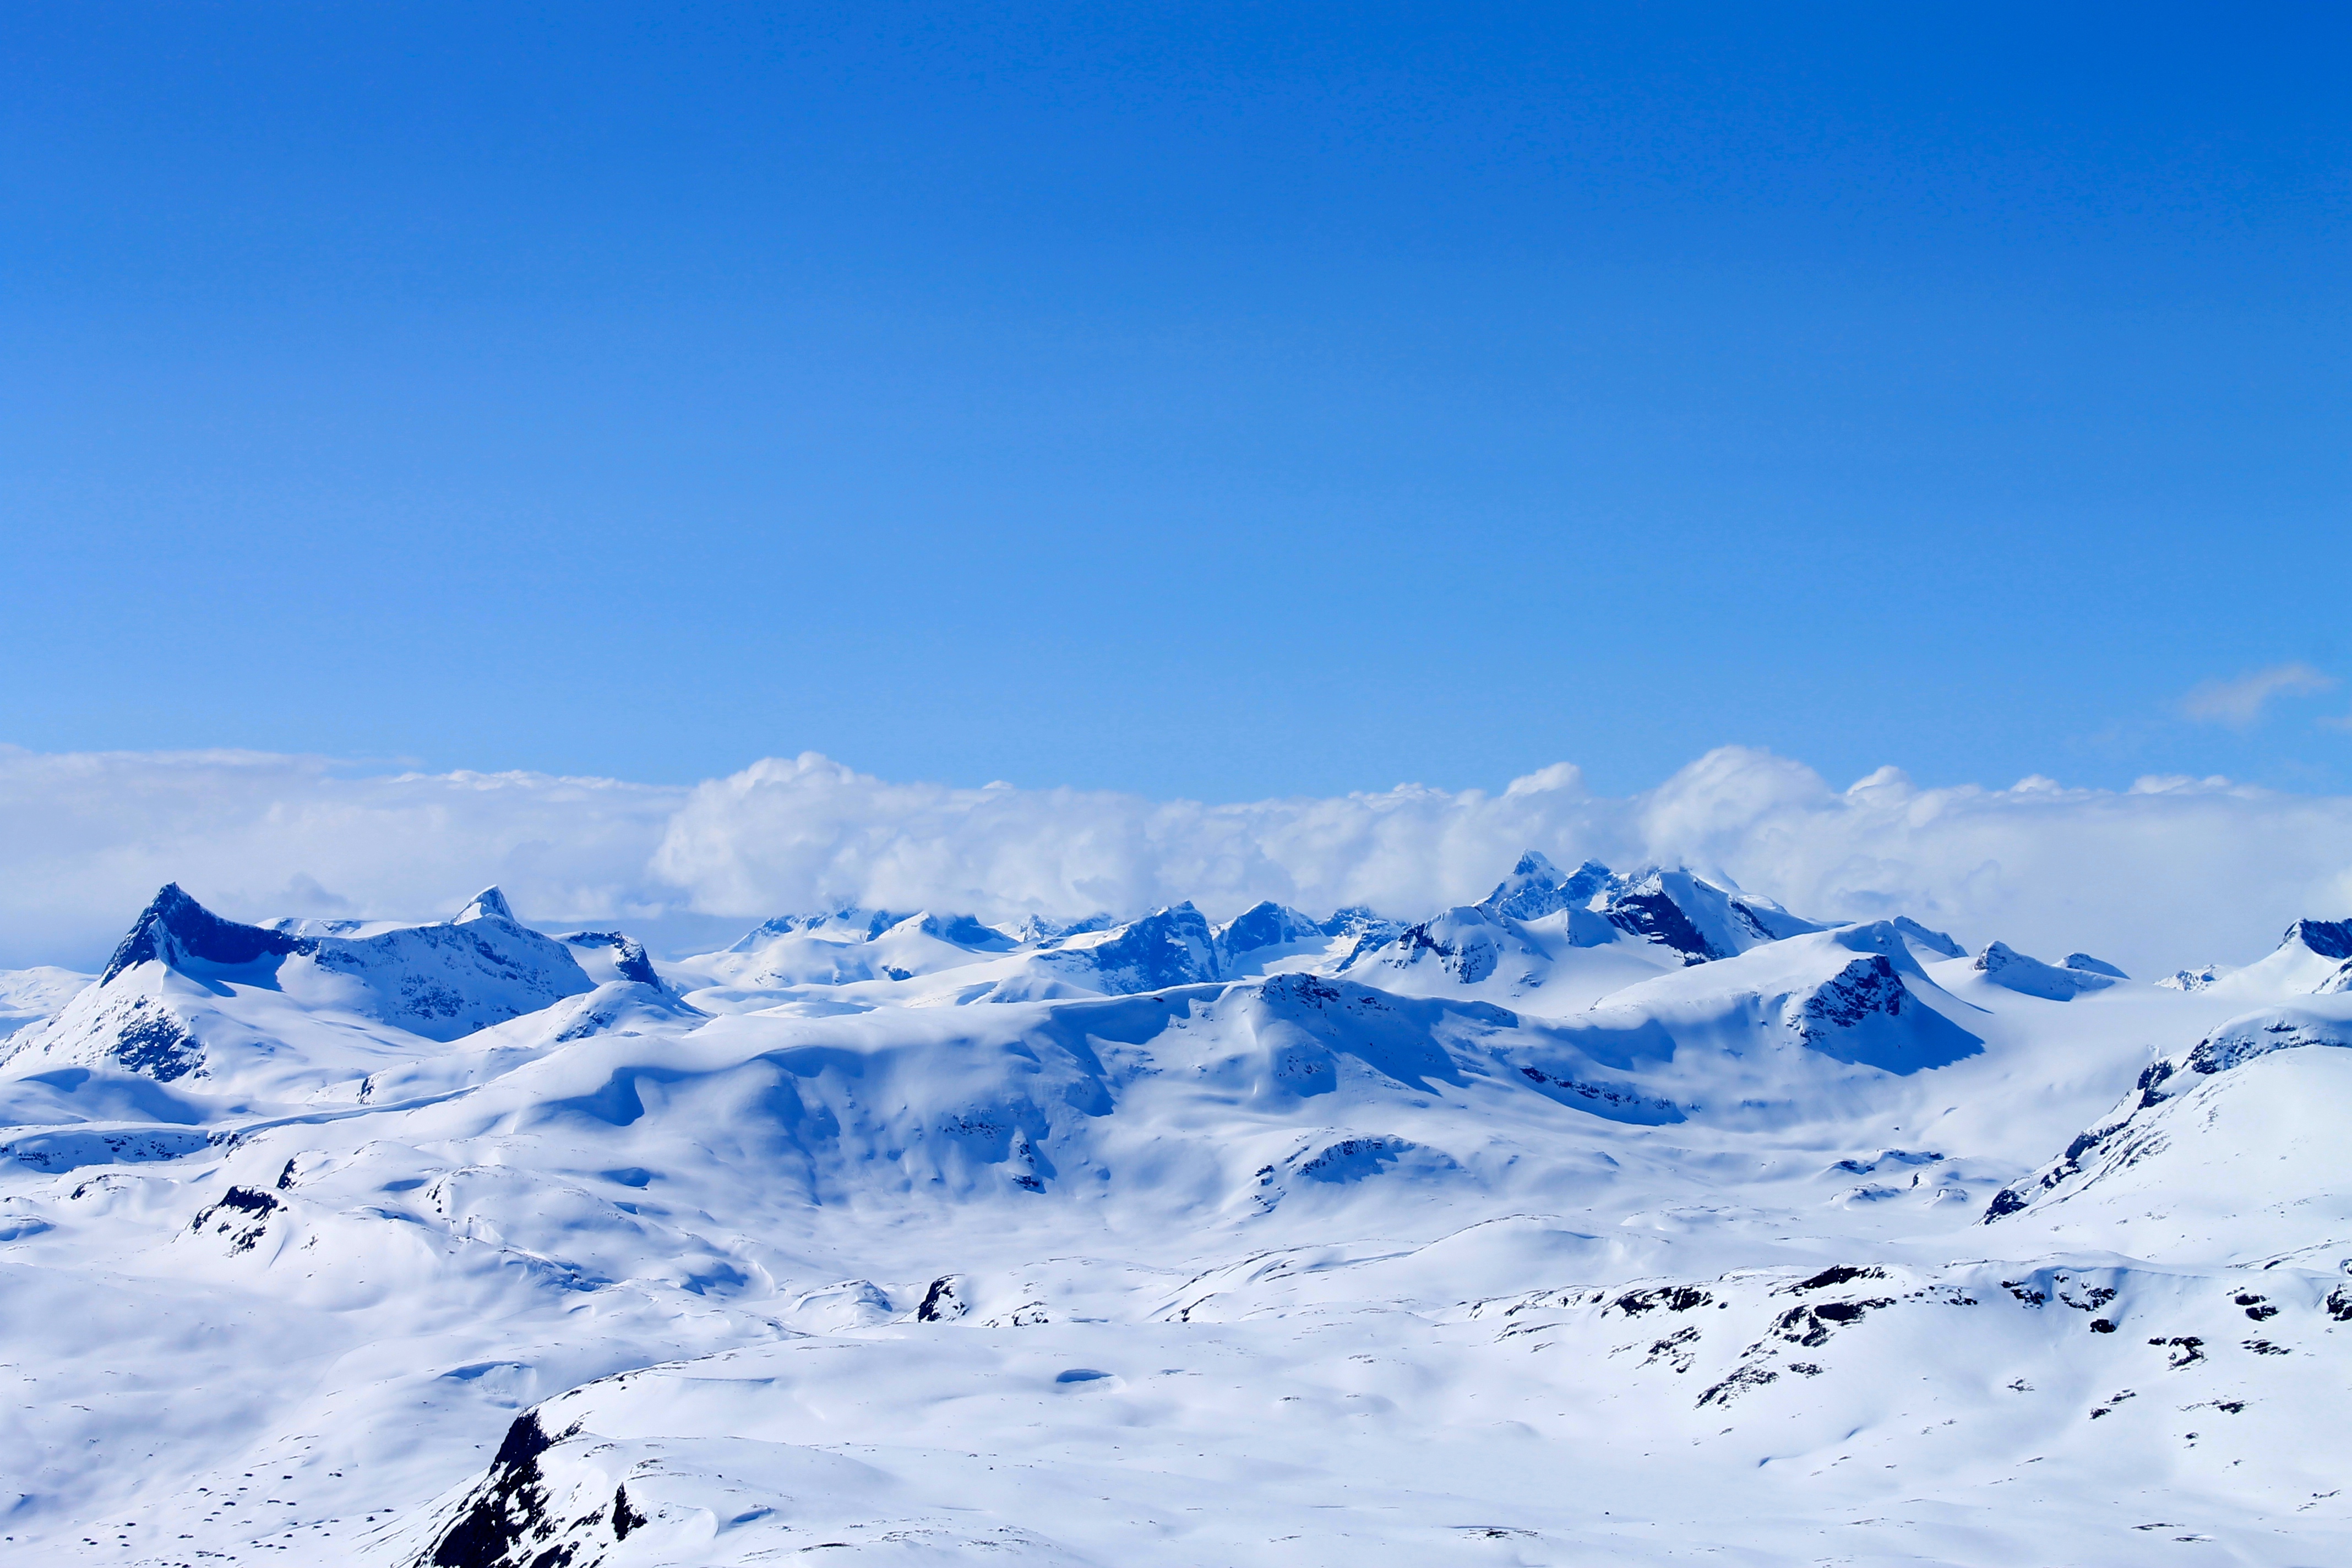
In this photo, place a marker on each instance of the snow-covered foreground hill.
(1616, 1219)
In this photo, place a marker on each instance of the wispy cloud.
(2240, 702)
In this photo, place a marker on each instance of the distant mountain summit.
(175, 931)
(189, 994)
(1536, 889)
(2013, 971)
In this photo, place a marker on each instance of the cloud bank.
(2170, 872)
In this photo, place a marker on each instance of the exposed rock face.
(1261, 926)
(1868, 987)
(1866, 1014)
(2136, 1129)
(1649, 912)
(1536, 889)
(168, 1001)
(1168, 947)
(2328, 939)
(176, 930)
(505, 1521)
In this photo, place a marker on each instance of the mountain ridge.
(1270, 1187)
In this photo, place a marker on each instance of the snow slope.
(1618, 1219)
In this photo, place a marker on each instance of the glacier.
(1618, 1218)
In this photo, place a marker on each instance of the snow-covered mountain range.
(1614, 1218)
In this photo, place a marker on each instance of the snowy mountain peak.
(1356, 919)
(1536, 889)
(847, 923)
(2313, 958)
(1644, 907)
(489, 904)
(1700, 919)
(189, 994)
(2013, 971)
(1263, 925)
(1867, 1014)
(1927, 937)
(2328, 939)
(1036, 930)
(629, 960)
(966, 932)
(174, 929)
(1172, 946)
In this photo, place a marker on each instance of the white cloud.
(86, 839)
(2174, 871)
(2239, 703)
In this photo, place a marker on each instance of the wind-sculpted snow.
(1287, 1241)
(1922, 1415)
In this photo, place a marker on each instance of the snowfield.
(1616, 1219)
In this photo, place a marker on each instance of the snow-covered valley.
(1612, 1219)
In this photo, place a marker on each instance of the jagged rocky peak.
(1039, 930)
(174, 929)
(1171, 946)
(489, 904)
(1358, 921)
(1266, 924)
(2328, 939)
(1537, 888)
(1699, 918)
(1644, 907)
(1673, 908)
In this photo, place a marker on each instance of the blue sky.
(1219, 401)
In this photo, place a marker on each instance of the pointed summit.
(1536, 887)
(489, 904)
(2328, 939)
(174, 928)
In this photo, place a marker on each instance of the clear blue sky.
(1214, 400)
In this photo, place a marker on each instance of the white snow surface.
(1612, 1219)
